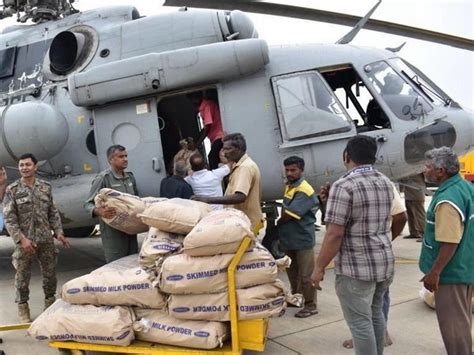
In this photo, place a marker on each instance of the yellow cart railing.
(245, 334)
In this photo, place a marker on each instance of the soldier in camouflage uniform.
(30, 216)
(116, 244)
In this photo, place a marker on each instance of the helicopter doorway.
(179, 123)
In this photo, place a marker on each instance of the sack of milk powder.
(220, 232)
(132, 287)
(84, 324)
(184, 274)
(262, 301)
(156, 326)
(175, 215)
(152, 200)
(157, 245)
(127, 207)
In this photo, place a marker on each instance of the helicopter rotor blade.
(305, 13)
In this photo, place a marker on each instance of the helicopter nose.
(463, 122)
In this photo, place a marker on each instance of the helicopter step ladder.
(245, 334)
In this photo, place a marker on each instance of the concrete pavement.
(412, 324)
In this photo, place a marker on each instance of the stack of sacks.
(87, 324)
(156, 246)
(175, 215)
(197, 279)
(127, 207)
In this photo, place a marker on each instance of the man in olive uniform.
(30, 216)
(116, 244)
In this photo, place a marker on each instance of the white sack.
(85, 324)
(220, 232)
(184, 274)
(157, 326)
(157, 245)
(132, 287)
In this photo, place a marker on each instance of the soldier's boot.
(24, 312)
(48, 301)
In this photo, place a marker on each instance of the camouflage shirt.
(31, 211)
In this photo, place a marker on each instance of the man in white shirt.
(206, 183)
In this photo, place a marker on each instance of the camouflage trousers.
(47, 255)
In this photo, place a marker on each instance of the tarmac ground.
(412, 325)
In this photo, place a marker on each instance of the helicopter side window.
(403, 98)
(307, 107)
(7, 62)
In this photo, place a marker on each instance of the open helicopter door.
(134, 125)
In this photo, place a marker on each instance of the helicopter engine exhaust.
(31, 127)
(65, 50)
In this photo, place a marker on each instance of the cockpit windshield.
(401, 93)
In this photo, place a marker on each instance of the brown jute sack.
(184, 274)
(261, 301)
(157, 326)
(84, 324)
(125, 263)
(175, 215)
(156, 245)
(220, 232)
(131, 287)
(127, 207)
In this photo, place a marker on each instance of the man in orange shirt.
(211, 117)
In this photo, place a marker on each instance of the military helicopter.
(73, 83)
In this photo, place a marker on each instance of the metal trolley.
(245, 334)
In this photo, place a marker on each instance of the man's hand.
(316, 277)
(431, 281)
(64, 241)
(200, 198)
(105, 212)
(324, 192)
(28, 246)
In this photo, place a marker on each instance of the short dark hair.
(362, 149)
(197, 162)
(29, 156)
(294, 160)
(113, 148)
(237, 140)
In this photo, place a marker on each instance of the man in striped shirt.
(358, 234)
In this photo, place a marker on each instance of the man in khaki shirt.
(244, 191)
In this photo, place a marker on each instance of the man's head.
(180, 168)
(118, 157)
(440, 164)
(27, 165)
(294, 168)
(195, 98)
(360, 150)
(197, 162)
(234, 146)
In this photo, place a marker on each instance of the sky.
(450, 68)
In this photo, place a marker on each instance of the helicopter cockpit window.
(400, 93)
(307, 107)
(7, 62)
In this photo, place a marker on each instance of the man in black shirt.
(174, 185)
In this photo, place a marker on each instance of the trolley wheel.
(2, 352)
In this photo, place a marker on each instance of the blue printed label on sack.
(202, 334)
(73, 291)
(41, 337)
(272, 263)
(115, 194)
(124, 335)
(278, 301)
(181, 309)
(174, 278)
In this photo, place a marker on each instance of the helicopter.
(73, 83)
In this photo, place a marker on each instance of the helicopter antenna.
(37, 10)
(348, 37)
(396, 49)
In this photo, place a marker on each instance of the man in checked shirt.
(359, 225)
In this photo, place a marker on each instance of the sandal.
(305, 313)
